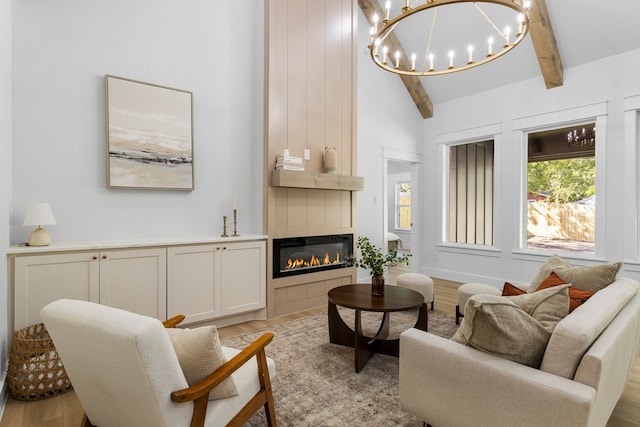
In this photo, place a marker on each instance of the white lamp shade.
(39, 214)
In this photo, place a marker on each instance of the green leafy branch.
(372, 258)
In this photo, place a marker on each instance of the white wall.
(5, 181)
(606, 81)
(387, 118)
(63, 49)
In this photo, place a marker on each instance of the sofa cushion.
(577, 297)
(589, 278)
(509, 290)
(546, 269)
(574, 334)
(200, 353)
(515, 328)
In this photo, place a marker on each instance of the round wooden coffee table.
(359, 298)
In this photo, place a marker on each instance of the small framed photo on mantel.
(149, 135)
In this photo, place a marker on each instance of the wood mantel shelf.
(320, 181)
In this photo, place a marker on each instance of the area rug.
(315, 382)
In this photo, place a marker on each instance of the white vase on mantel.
(330, 158)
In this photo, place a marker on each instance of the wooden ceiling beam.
(412, 83)
(544, 43)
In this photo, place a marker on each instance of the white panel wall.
(62, 50)
(5, 180)
(609, 81)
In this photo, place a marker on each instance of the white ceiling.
(585, 30)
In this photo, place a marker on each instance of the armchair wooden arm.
(199, 393)
(174, 321)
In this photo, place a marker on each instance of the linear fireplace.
(301, 255)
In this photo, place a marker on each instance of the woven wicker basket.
(35, 369)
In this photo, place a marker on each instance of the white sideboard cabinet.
(133, 280)
(40, 279)
(216, 280)
(202, 277)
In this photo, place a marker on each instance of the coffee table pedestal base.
(365, 347)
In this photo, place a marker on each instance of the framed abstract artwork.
(149, 135)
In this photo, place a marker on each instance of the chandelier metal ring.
(400, 63)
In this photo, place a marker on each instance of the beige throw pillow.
(546, 269)
(514, 328)
(200, 353)
(589, 278)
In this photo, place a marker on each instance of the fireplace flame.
(314, 261)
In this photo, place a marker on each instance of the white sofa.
(582, 376)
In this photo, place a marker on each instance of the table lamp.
(39, 214)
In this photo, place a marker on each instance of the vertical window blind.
(471, 193)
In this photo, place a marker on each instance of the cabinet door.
(135, 280)
(192, 274)
(41, 279)
(243, 277)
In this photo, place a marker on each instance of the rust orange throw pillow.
(511, 291)
(576, 296)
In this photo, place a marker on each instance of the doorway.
(400, 205)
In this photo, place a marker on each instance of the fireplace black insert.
(301, 255)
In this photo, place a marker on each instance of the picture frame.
(149, 135)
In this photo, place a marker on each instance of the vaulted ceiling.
(564, 34)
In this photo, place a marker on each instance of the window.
(471, 193)
(561, 183)
(403, 205)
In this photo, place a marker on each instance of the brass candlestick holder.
(235, 223)
(224, 227)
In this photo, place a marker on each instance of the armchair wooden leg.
(86, 422)
(265, 384)
(199, 411)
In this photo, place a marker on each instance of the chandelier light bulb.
(507, 32)
(413, 62)
(387, 7)
(431, 61)
(520, 24)
(385, 50)
(397, 59)
(375, 22)
(490, 51)
(451, 54)
(470, 50)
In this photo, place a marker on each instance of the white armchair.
(126, 373)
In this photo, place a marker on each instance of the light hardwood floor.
(65, 410)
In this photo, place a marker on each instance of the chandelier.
(582, 139)
(439, 47)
